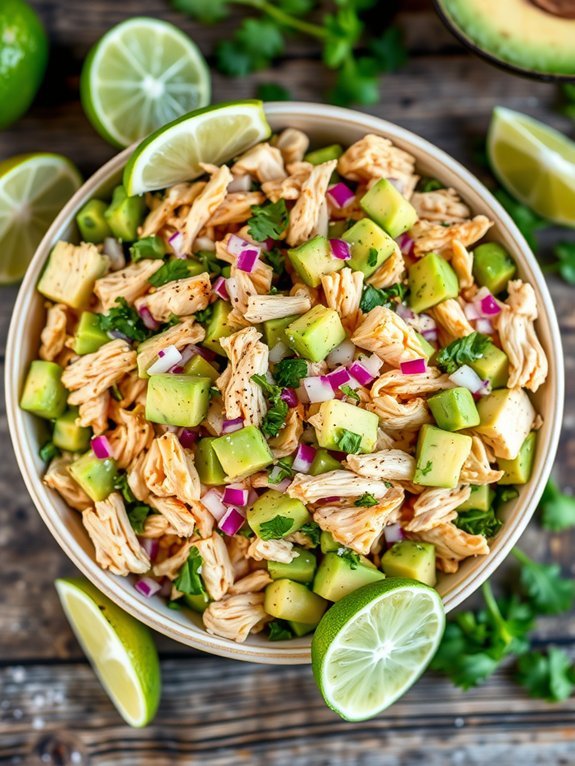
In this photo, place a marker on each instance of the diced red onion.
(290, 397)
(212, 500)
(191, 350)
(232, 521)
(330, 499)
(220, 289)
(241, 183)
(269, 244)
(247, 259)
(413, 367)
(229, 426)
(278, 352)
(151, 546)
(303, 458)
(372, 364)
(101, 447)
(235, 494)
(342, 354)
(168, 357)
(147, 318)
(405, 313)
(318, 389)
(115, 252)
(339, 377)
(340, 195)
(361, 373)
(471, 312)
(425, 322)
(430, 335)
(393, 533)
(187, 437)
(176, 242)
(340, 249)
(406, 244)
(147, 587)
(188, 353)
(486, 304)
(237, 244)
(485, 326)
(467, 377)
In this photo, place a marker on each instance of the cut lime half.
(535, 163)
(120, 649)
(213, 135)
(33, 190)
(142, 74)
(372, 645)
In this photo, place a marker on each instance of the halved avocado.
(532, 37)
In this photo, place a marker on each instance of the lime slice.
(120, 649)
(33, 190)
(213, 135)
(534, 163)
(142, 74)
(371, 646)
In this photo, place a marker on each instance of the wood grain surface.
(215, 711)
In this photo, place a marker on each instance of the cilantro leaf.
(48, 452)
(349, 391)
(284, 472)
(549, 676)
(209, 261)
(121, 484)
(348, 441)
(204, 315)
(275, 528)
(476, 522)
(565, 254)
(189, 580)
(462, 351)
(271, 91)
(171, 270)
(124, 319)
(276, 260)
(270, 389)
(208, 11)
(275, 417)
(548, 592)
(343, 30)
(427, 184)
(557, 508)
(289, 372)
(357, 82)
(270, 220)
(137, 516)
(374, 296)
(279, 630)
(389, 50)
(312, 530)
(350, 556)
(527, 221)
(253, 46)
(366, 501)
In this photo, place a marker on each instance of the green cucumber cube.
(89, 337)
(323, 462)
(440, 456)
(208, 466)
(388, 208)
(313, 259)
(480, 498)
(314, 334)
(177, 400)
(293, 601)
(493, 267)
(335, 577)
(300, 629)
(335, 416)
(410, 559)
(454, 409)
(69, 436)
(44, 394)
(431, 281)
(96, 477)
(274, 330)
(201, 368)
(370, 246)
(518, 471)
(272, 504)
(242, 452)
(219, 326)
(325, 154)
(92, 222)
(125, 214)
(301, 569)
(492, 366)
(328, 544)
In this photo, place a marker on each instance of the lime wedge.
(372, 645)
(535, 163)
(142, 74)
(120, 649)
(213, 135)
(33, 190)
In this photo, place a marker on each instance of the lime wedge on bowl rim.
(372, 645)
(212, 135)
(33, 190)
(535, 163)
(120, 649)
(142, 74)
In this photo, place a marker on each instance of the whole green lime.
(23, 58)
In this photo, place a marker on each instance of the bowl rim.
(296, 653)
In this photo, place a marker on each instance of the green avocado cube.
(370, 246)
(149, 248)
(410, 559)
(125, 214)
(440, 456)
(384, 204)
(201, 368)
(336, 416)
(323, 462)
(242, 452)
(208, 466)
(518, 471)
(44, 394)
(293, 601)
(300, 629)
(454, 409)
(89, 336)
(493, 267)
(327, 543)
(71, 272)
(480, 498)
(336, 229)
(96, 477)
(337, 577)
(274, 330)
(196, 602)
(431, 281)
(92, 223)
(219, 326)
(301, 569)
(271, 505)
(492, 366)
(314, 334)
(313, 259)
(325, 154)
(506, 419)
(177, 400)
(69, 436)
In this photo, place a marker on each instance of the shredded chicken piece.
(462, 262)
(171, 566)
(293, 144)
(528, 366)
(452, 544)
(263, 162)
(205, 205)
(53, 335)
(205, 522)
(435, 238)
(248, 356)
(398, 416)
(130, 282)
(391, 271)
(395, 383)
(132, 390)
(181, 297)
(385, 333)
(156, 526)
(236, 208)
(91, 374)
(170, 470)
(289, 188)
(253, 583)
(58, 477)
(132, 435)
(305, 214)
(343, 290)
(177, 514)
(271, 550)
(436, 506)
(238, 552)
(477, 469)
(287, 440)
(137, 479)
(236, 616)
(309, 489)
(374, 157)
(180, 335)
(441, 205)
(116, 544)
(264, 307)
(356, 527)
(93, 413)
(215, 417)
(176, 196)
(452, 320)
(390, 464)
(217, 570)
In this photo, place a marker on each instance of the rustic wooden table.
(215, 711)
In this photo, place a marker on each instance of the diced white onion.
(342, 354)
(467, 377)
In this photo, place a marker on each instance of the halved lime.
(142, 74)
(535, 163)
(371, 646)
(33, 190)
(213, 135)
(120, 649)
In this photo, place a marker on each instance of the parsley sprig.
(375, 296)
(289, 372)
(268, 221)
(557, 508)
(462, 351)
(124, 319)
(189, 580)
(275, 417)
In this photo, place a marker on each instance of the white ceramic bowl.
(325, 125)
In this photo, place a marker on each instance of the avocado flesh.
(480, 498)
(301, 569)
(516, 32)
(440, 456)
(313, 259)
(208, 466)
(196, 602)
(493, 267)
(273, 503)
(89, 337)
(242, 452)
(314, 334)
(95, 476)
(219, 327)
(370, 246)
(177, 400)
(335, 416)
(431, 281)
(125, 214)
(518, 471)
(300, 629)
(323, 462)
(454, 409)
(69, 436)
(385, 205)
(274, 330)
(410, 559)
(292, 601)
(71, 272)
(44, 394)
(201, 368)
(492, 366)
(335, 577)
(92, 222)
(325, 154)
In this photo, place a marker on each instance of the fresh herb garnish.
(137, 516)
(367, 500)
(427, 184)
(564, 253)
(124, 319)
(349, 391)
(505, 494)
(48, 452)
(210, 262)
(268, 221)
(122, 486)
(279, 630)
(275, 528)
(547, 591)
(312, 530)
(285, 472)
(476, 522)
(374, 296)
(372, 256)
(271, 91)
(350, 556)
(275, 417)
(204, 315)
(549, 676)
(348, 441)
(557, 508)
(462, 351)
(152, 247)
(189, 580)
(276, 260)
(289, 372)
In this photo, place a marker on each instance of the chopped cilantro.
(276, 260)
(372, 256)
(170, 271)
(275, 417)
(279, 630)
(204, 316)
(312, 530)
(505, 494)
(189, 580)
(462, 351)
(348, 441)
(289, 372)
(124, 319)
(349, 391)
(268, 221)
(275, 528)
(366, 501)
(350, 556)
(427, 184)
(476, 522)
(121, 484)
(284, 472)
(137, 516)
(209, 261)
(374, 296)
(150, 247)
